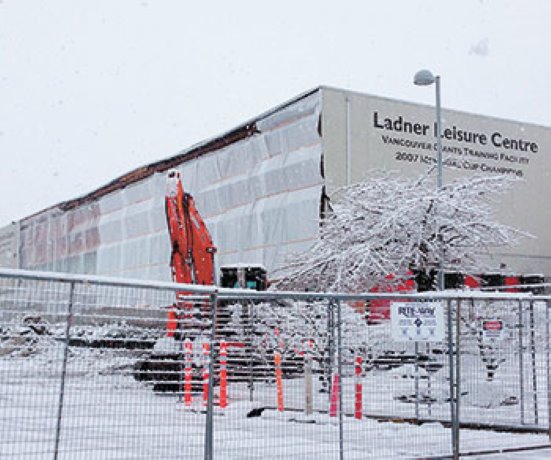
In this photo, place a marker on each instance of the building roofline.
(242, 131)
(417, 104)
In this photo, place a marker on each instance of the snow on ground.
(108, 415)
(540, 454)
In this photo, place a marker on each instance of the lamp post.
(424, 78)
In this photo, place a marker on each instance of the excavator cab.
(244, 276)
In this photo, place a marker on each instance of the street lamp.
(424, 78)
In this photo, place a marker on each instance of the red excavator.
(192, 254)
(192, 262)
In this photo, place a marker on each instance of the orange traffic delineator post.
(223, 374)
(279, 375)
(334, 396)
(279, 380)
(359, 389)
(188, 371)
(206, 359)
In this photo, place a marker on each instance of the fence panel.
(503, 371)
(110, 404)
(294, 364)
(281, 364)
(395, 393)
(32, 319)
(92, 368)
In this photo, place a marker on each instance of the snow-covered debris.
(26, 337)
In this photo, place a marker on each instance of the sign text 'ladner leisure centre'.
(473, 150)
(497, 139)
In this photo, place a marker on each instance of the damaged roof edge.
(145, 171)
(243, 131)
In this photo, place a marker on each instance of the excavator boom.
(192, 253)
(191, 262)
(192, 247)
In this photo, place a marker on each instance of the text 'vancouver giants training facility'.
(261, 187)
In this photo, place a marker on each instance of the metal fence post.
(331, 347)
(458, 371)
(250, 328)
(455, 446)
(521, 361)
(417, 381)
(548, 366)
(68, 323)
(341, 387)
(209, 420)
(308, 378)
(533, 361)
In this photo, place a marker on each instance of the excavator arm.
(192, 249)
(191, 262)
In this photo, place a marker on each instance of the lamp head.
(424, 77)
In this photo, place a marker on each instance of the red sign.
(494, 325)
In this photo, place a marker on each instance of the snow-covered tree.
(391, 225)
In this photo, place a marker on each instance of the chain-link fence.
(92, 368)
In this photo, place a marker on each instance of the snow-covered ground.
(108, 415)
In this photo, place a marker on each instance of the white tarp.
(260, 198)
(9, 241)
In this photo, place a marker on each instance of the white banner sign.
(417, 321)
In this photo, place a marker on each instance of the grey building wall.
(362, 133)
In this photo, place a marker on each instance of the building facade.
(263, 186)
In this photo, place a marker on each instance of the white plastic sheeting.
(9, 243)
(260, 198)
(64, 241)
(133, 233)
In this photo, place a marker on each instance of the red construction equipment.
(379, 310)
(192, 255)
(191, 262)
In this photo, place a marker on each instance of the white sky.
(90, 90)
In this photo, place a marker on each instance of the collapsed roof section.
(243, 131)
(257, 187)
